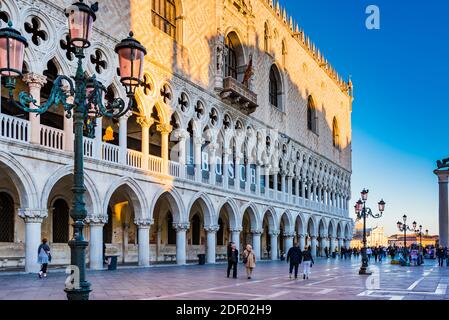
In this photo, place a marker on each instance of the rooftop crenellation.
(309, 46)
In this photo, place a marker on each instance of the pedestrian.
(369, 252)
(249, 259)
(326, 251)
(446, 256)
(43, 257)
(375, 253)
(440, 255)
(307, 261)
(233, 259)
(294, 256)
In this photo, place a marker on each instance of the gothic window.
(335, 133)
(183, 102)
(6, 218)
(275, 87)
(107, 229)
(311, 115)
(284, 53)
(60, 221)
(164, 16)
(53, 118)
(171, 233)
(97, 59)
(220, 233)
(4, 16)
(196, 230)
(231, 59)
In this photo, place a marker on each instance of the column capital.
(442, 175)
(212, 228)
(290, 234)
(198, 140)
(164, 128)
(180, 134)
(256, 231)
(143, 222)
(274, 233)
(126, 116)
(145, 122)
(181, 226)
(33, 215)
(301, 235)
(96, 220)
(34, 80)
(236, 229)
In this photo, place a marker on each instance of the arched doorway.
(6, 217)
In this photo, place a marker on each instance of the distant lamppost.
(419, 232)
(403, 227)
(86, 107)
(362, 212)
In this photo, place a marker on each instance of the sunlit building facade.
(241, 132)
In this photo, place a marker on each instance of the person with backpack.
(307, 261)
(294, 256)
(43, 258)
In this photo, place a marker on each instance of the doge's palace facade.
(241, 132)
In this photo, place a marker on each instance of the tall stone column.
(288, 240)
(274, 244)
(256, 243)
(143, 229)
(165, 130)
(303, 188)
(267, 179)
(258, 164)
(313, 245)
(145, 125)
(302, 241)
(235, 236)
(181, 244)
(35, 83)
(122, 138)
(33, 224)
(443, 206)
(211, 232)
(340, 244)
(212, 162)
(226, 154)
(347, 243)
(323, 244)
(237, 173)
(96, 224)
(181, 136)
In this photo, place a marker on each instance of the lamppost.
(419, 232)
(403, 227)
(362, 212)
(86, 107)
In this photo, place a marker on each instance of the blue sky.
(401, 106)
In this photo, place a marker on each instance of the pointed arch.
(253, 212)
(175, 203)
(335, 133)
(232, 210)
(312, 118)
(206, 205)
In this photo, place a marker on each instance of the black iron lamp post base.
(363, 271)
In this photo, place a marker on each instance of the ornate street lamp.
(87, 106)
(362, 212)
(403, 227)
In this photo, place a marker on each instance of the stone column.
(122, 138)
(283, 178)
(181, 244)
(211, 242)
(323, 244)
(443, 206)
(303, 188)
(256, 243)
(96, 224)
(288, 240)
(340, 244)
(235, 236)
(165, 129)
(274, 244)
(258, 178)
(237, 173)
(212, 162)
(145, 125)
(33, 223)
(347, 243)
(313, 245)
(35, 83)
(197, 144)
(267, 179)
(143, 226)
(226, 154)
(332, 245)
(302, 241)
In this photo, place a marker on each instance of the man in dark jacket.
(440, 256)
(294, 256)
(233, 259)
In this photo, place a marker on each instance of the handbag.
(49, 257)
(245, 259)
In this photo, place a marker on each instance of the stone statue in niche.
(249, 72)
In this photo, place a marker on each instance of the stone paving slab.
(330, 280)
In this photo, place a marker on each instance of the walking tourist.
(307, 261)
(249, 259)
(233, 258)
(369, 252)
(294, 256)
(43, 257)
(440, 256)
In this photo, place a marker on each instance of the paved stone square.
(330, 280)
